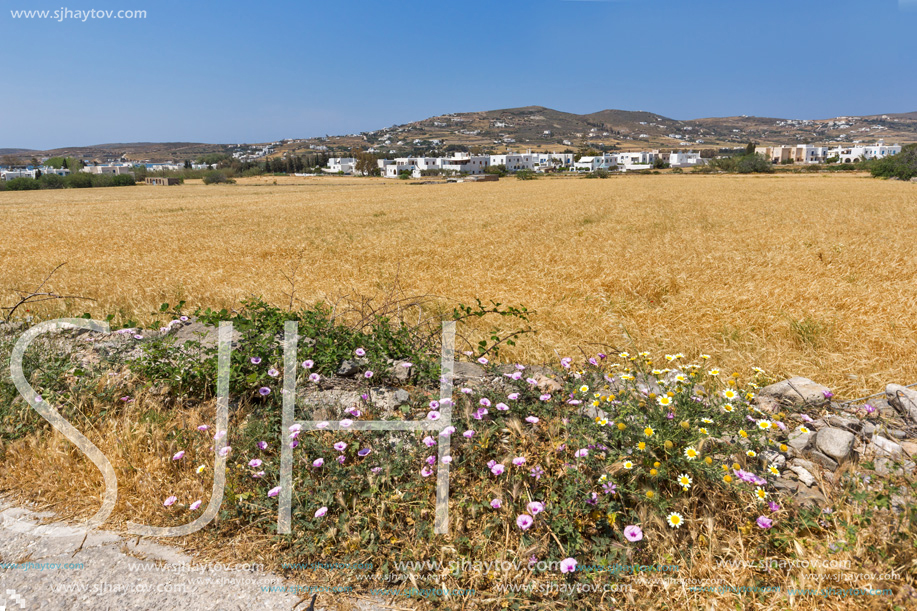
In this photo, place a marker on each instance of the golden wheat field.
(812, 275)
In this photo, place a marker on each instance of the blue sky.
(236, 71)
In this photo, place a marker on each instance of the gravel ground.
(112, 572)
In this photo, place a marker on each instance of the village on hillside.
(468, 164)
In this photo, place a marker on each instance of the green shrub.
(51, 181)
(526, 175)
(677, 171)
(499, 170)
(101, 180)
(78, 180)
(123, 180)
(600, 173)
(215, 177)
(902, 166)
(754, 164)
(23, 184)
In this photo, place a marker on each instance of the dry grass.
(806, 275)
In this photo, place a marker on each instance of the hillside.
(541, 128)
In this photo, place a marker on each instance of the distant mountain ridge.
(541, 128)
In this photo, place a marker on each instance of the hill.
(540, 128)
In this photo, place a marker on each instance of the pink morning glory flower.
(360, 352)
(294, 444)
(531, 419)
(340, 446)
(314, 377)
(273, 372)
(496, 503)
(407, 365)
(170, 501)
(582, 453)
(567, 565)
(485, 402)
(225, 450)
(194, 506)
(430, 460)
(512, 396)
(434, 404)
(262, 445)
(264, 391)
(519, 461)
(531, 381)
(467, 391)
(178, 455)
(483, 360)
(468, 434)
(273, 491)
(364, 452)
(426, 472)
(318, 462)
(308, 364)
(447, 431)
(203, 428)
(565, 362)
(446, 460)
(341, 459)
(524, 521)
(502, 407)
(258, 475)
(321, 512)
(429, 441)
(219, 435)
(254, 463)
(256, 360)
(764, 522)
(633, 533)
(322, 425)
(497, 469)
(433, 416)
(345, 423)
(545, 397)
(368, 374)
(535, 507)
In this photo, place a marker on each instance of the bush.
(600, 173)
(51, 181)
(215, 177)
(525, 175)
(659, 164)
(499, 170)
(753, 164)
(123, 180)
(902, 166)
(23, 184)
(79, 180)
(101, 180)
(404, 174)
(677, 171)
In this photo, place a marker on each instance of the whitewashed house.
(347, 165)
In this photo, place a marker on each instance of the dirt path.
(54, 566)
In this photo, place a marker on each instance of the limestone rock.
(797, 392)
(886, 447)
(351, 367)
(902, 399)
(834, 442)
(799, 441)
(825, 461)
(803, 474)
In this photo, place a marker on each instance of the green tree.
(902, 166)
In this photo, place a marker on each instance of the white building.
(11, 174)
(347, 165)
(466, 163)
(677, 160)
(114, 169)
(850, 154)
(598, 162)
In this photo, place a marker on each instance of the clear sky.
(235, 71)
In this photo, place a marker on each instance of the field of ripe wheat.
(812, 275)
